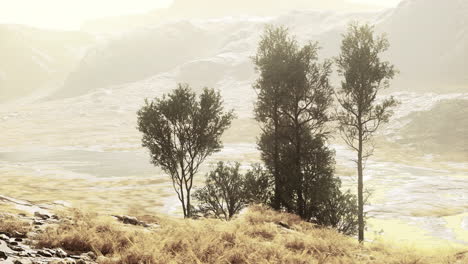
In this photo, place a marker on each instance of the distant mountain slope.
(209, 9)
(31, 58)
(429, 45)
(443, 128)
(146, 52)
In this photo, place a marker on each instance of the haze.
(71, 14)
(73, 74)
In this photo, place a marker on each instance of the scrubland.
(258, 235)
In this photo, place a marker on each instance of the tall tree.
(181, 131)
(308, 97)
(361, 113)
(294, 96)
(273, 50)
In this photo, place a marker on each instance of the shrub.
(227, 191)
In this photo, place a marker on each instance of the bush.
(227, 191)
(339, 211)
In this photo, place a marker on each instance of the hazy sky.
(69, 14)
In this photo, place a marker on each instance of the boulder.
(17, 234)
(44, 253)
(91, 255)
(60, 253)
(41, 215)
(130, 220)
(3, 255)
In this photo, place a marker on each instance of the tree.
(364, 75)
(223, 194)
(325, 203)
(305, 109)
(258, 185)
(181, 131)
(294, 96)
(227, 191)
(274, 48)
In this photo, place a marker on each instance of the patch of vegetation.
(11, 225)
(260, 235)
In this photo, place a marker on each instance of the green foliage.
(258, 185)
(293, 107)
(181, 131)
(223, 194)
(364, 75)
(227, 191)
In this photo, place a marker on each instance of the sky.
(70, 14)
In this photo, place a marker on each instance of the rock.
(80, 261)
(70, 261)
(3, 255)
(38, 223)
(284, 225)
(91, 255)
(60, 253)
(13, 243)
(44, 253)
(4, 237)
(17, 234)
(130, 220)
(18, 239)
(4, 248)
(16, 248)
(41, 215)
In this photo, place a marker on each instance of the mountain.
(429, 43)
(215, 9)
(32, 59)
(429, 46)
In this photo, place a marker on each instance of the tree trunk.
(182, 200)
(360, 191)
(189, 209)
(277, 198)
(299, 186)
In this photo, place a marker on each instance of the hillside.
(259, 235)
(36, 60)
(429, 44)
(428, 60)
(435, 130)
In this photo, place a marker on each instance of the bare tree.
(364, 75)
(180, 132)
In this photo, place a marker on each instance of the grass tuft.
(254, 237)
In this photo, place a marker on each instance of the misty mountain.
(214, 9)
(428, 60)
(146, 52)
(435, 131)
(33, 59)
(429, 43)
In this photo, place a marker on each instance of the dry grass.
(10, 225)
(254, 237)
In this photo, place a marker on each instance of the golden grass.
(10, 225)
(254, 237)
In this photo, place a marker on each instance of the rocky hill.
(259, 235)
